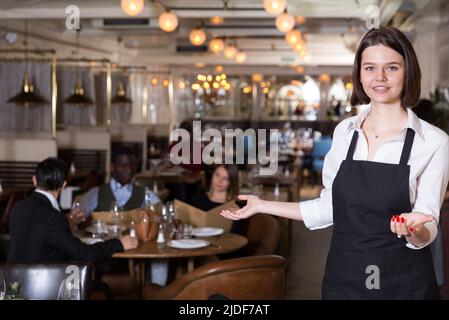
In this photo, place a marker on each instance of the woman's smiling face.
(382, 74)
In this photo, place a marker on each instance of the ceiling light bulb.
(197, 37)
(285, 22)
(216, 45)
(324, 77)
(274, 6)
(216, 20)
(293, 37)
(230, 52)
(257, 77)
(300, 19)
(240, 57)
(132, 7)
(168, 21)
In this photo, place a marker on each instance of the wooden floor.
(307, 257)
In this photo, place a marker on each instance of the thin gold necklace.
(395, 127)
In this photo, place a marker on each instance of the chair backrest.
(43, 281)
(13, 199)
(263, 235)
(321, 147)
(248, 278)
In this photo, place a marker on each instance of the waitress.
(384, 182)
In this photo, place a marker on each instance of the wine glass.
(2, 286)
(116, 213)
(76, 205)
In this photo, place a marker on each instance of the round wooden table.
(224, 243)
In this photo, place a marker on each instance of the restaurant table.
(224, 243)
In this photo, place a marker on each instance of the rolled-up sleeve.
(318, 213)
(431, 188)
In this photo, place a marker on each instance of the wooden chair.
(249, 278)
(263, 235)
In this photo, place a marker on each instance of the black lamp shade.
(79, 99)
(27, 96)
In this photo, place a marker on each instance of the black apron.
(366, 195)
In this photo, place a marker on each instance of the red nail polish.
(392, 218)
(412, 230)
(402, 220)
(397, 219)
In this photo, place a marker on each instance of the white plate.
(89, 240)
(118, 228)
(207, 232)
(188, 244)
(92, 229)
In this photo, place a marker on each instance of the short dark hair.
(51, 174)
(121, 151)
(396, 40)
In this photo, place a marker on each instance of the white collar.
(413, 121)
(117, 185)
(51, 198)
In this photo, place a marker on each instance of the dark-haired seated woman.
(223, 187)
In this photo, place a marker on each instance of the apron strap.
(350, 154)
(407, 146)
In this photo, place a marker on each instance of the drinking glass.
(116, 213)
(76, 205)
(186, 231)
(2, 286)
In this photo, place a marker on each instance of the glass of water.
(2, 286)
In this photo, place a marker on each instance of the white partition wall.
(27, 150)
(81, 138)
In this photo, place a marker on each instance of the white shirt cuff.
(433, 230)
(312, 215)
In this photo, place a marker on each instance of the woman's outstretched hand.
(409, 224)
(253, 205)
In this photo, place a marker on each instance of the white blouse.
(429, 169)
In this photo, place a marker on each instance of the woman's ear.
(34, 180)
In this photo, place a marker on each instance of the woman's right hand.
(129, 242)
(253, 205)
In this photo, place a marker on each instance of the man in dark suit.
(40, 232)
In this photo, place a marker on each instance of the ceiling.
(245, 22)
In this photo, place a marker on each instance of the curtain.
(16, 117)
(121, 112)
(70, 114)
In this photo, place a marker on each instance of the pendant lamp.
(78, 97)
(27, 96)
